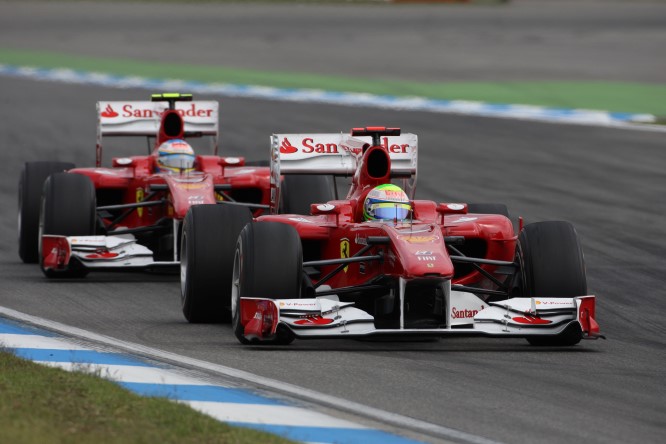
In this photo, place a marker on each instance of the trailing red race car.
(380, 263)
(73, 220)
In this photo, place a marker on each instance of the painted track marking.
(291, 390)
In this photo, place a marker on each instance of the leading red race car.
(380, 263)
(128, 217)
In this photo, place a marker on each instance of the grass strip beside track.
(609, 96)
(42, 405)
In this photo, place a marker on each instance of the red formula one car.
(128, 216)
(380, 263)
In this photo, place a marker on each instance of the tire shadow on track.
(430, 348)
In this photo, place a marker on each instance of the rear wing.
(142, 118)
(338, 154)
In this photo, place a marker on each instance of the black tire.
(299, 191)
(257, 163)
(488, 208)
(68, 209)
(207, 251)
(552, 266)
(31, 185)
(268, 264)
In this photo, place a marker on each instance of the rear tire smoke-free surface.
(299, 191)
(268, 264)
(207, 251)
(552, 267)
(68, 209)
(488, 208)
(31, 185)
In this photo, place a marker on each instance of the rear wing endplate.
(337, 154)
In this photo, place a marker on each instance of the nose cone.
(421, 253)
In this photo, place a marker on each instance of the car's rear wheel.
(31, 185)
(299, 191)
(68, 209)
(488, 208)
(257, 163)
(207, 251)
(268, 264)
(552, 266)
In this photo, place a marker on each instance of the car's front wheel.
(553, 266)
(268, 264)
(31, 185)
(68, 209)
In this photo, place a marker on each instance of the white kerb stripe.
(269, 414)
(129, 373)
(10, 340)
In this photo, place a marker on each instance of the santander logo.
(463, 314)
(134, 110)
(310, 145)
(109, 112)
(286, 147)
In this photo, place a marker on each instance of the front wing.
(60, 253)
(327, 317)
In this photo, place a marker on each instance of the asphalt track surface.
(609, 182)
(524, 40)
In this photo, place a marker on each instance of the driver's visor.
(183, 161)
(390, 210)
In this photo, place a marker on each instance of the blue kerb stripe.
(330, 434)
(209, 393)
(9, 327)
(78, 356)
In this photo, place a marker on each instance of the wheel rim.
(183, 267)
(235, 290)
(40, 230)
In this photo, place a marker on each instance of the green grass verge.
(610, 96)
(39, 404)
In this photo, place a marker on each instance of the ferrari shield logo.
(344, 250)
(139, 198)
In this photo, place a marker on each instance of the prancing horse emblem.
(344, 250)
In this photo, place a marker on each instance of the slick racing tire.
(268, 264)
(552, 266)
(68, 209)
(207, 251)
(257, 163)
(299, 191)
(488, 208)
(30, 187)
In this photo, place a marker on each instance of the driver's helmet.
(175, 156)
(386, 202)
